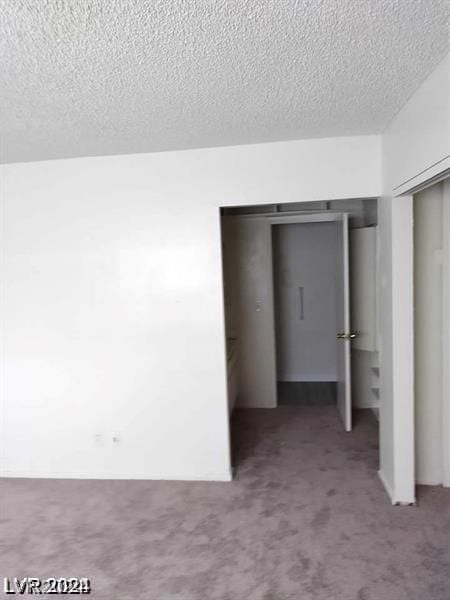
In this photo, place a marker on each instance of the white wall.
(363, 275)
(114, 307)
(396, 347)
(256, 332)
(428, 326)
(304, 254)
(415, 147)
(364, 379)
(363, 293)
(230, 273)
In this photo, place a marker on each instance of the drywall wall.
(395, 343)
(304, 261)
(112, 292)
(428, 333)
(417, 142)
(415, 147)
(363, 293)
(230, 274)
(363, 272)
(230, 291)
(364, 379)
(257, 380)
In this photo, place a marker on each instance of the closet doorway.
(300, 308)
(312, 311)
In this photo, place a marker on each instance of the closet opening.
(431, 208)
(300, 286)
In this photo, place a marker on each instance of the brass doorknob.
(346, 336)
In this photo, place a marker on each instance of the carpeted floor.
(306, 518)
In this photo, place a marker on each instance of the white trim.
(390, 493)
(285, 220)
(425, 179)
(386, 486)
(212, 477)
(403, 348)
(446, 334)
(421, 481)
(308, 218)
(273, 331)
(421, 179)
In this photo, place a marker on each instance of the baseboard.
(239, 404)
(208, 477)
(429, 482)
(394, 501)
(386, 486)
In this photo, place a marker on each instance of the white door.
(343, 334)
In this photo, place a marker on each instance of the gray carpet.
(306, 518)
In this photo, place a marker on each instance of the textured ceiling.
(88, 77)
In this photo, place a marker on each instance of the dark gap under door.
(311, 393)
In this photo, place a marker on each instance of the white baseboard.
(207, 477)
(394, 501)
(307, 378)
(421, 481)
(386, 486)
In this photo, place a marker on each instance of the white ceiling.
(89, 77)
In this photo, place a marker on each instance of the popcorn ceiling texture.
(90, 77)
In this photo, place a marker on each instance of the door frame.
(446, 334)
(268, 220)
(397, 358)
(279, 219)
(396, 346)
(443, 177)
